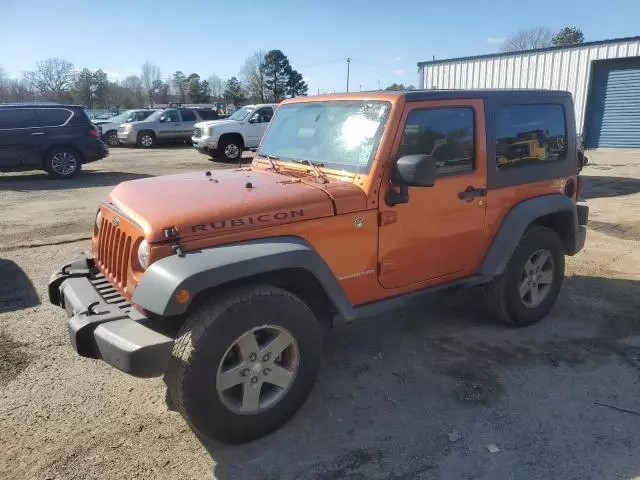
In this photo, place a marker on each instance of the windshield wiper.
(316, 167)
(271, 158)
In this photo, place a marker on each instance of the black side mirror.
(254, 120)
(162, 119)
(411, 171)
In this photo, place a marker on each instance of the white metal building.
(604, 78)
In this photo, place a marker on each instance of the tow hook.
(177, 249)
(91, 309)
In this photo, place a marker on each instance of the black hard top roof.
(39, 105)
(417, 95)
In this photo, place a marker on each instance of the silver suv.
(168, 125)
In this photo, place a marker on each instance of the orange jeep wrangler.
(354, 204)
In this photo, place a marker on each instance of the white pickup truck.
(229, 137)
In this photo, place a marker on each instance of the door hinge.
(386, 267)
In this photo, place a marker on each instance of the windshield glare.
(343, 134)
(241, 114)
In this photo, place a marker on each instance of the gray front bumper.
(103, 325)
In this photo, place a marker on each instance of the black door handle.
(470, 193)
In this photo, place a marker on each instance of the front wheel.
(111, 139)
(245, 363)
(530, 284)
(231, 149)
(146, 140)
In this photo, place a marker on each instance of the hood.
(214, 123)
(226, 201)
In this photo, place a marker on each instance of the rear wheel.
(146, 140)
(62, 162)
(528, 288)
(244, 363)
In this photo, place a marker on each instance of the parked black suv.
(55, 138)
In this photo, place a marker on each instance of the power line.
(322, 63)
(368, 63)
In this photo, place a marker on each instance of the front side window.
(343, 135)
(17, 118)
(170, 116)
(445, 133)
(263, 115)
(53, 117)
(530, 134)
(188, 115)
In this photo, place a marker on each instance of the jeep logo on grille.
(115, 222)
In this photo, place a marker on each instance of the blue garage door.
(613, 115)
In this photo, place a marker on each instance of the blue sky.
(384, 39)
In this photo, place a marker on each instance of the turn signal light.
(182, 296)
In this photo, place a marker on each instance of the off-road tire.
(222, 149)
(502, 293)
(49, 158)
(206, 337)
(141, 141)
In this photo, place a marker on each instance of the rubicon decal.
(245, 221)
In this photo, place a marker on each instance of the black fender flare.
(199, 270)
(514, 225)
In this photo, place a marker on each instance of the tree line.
(542, 37)
(264, 77)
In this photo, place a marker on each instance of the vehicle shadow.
(16, 290)
(391, 388)
(41, 181)
(604, 186)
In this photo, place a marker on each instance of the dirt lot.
(419, 393)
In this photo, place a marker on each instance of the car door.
(436, 236)
(257, 125)
(189, 119)
(169, 125)
(20, 138)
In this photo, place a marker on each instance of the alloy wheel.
(112, 140)
(146, 141)
(64, 163)
(231, 151)
(257, 370)
(536, 278)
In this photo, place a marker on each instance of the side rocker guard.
(202, 269)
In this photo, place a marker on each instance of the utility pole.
(378, 84)
(318, 91)
(348, 65)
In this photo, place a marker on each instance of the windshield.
(241, 114)
(137, 115)
(343, 134)
(120, 118)
(154, 116)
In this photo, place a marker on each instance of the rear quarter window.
(188, 115)
(53, 117)
(11, 118)
(208, 114)
(530, 134)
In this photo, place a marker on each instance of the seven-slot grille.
(114, 252)
(197, 132)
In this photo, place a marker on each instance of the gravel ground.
(426, 392)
